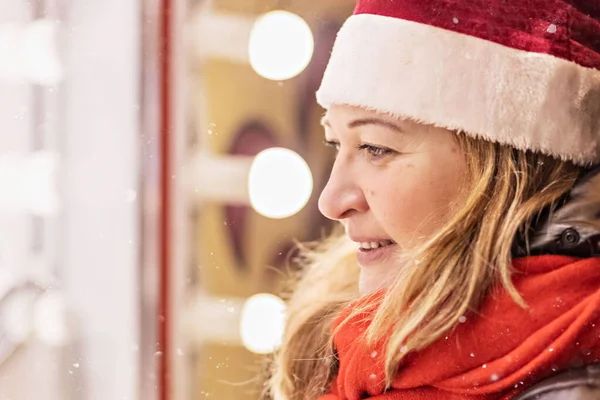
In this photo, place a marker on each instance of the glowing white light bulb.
(281, 45)
(30, 52)
(262, 323)
(16, 316)
(40, 53)
(30, 183)
(50, 319)
(280, 183)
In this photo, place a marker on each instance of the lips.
(374, 251)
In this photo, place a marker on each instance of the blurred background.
(159, 162)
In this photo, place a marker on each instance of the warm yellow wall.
(231, 95)
(227, 373)
(311, 10)
(235, 94)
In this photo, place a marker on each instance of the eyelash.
(373, 151)
(333, 144)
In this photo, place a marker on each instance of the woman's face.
(393, 183)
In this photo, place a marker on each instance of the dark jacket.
(575, 384)
(571, 228)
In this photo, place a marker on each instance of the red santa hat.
(525, 73)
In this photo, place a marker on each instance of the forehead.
(340, 115)
(346, 111)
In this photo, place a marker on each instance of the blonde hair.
(457, 267)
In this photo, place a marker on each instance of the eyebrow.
(367, 121)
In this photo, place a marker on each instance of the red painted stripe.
(164, 339)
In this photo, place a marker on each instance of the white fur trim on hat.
(431, 75)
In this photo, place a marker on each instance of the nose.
(342, 196)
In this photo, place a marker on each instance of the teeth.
(375, 245)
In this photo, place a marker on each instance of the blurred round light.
(15, 316)
(280, 183)
(281, 45)
(30, 182)
(262, 323)
(8, 279)
(30, 52)
(40, 53)
(50, 320)
(38, 182)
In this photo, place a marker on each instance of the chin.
(370, 281)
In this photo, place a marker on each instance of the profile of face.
(393, 183)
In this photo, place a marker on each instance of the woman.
(467, 263)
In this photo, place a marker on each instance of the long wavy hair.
(504, 190)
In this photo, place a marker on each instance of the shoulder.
(575, 384)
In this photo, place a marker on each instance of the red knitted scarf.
(495, 353)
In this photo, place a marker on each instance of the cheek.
(413, 205)
(401, 200)
(414, 201)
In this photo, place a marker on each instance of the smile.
(375, 245)
(376, 252)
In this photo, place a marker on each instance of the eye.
(374, 151)
(331, 143)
